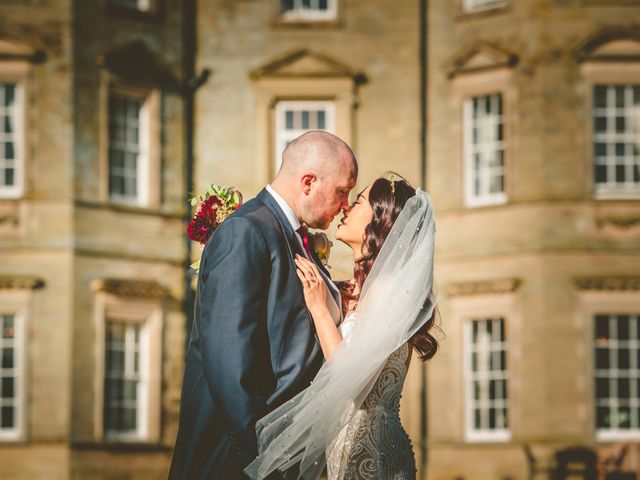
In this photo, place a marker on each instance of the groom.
(253, 344)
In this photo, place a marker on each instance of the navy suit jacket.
(253, 344)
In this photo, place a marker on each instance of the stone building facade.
(521, 118)
(91, 237)
(534, 166)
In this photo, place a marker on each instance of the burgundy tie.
(304, 234)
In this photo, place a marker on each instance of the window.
(617, 375)
(616, 139)
(293, 118)
(125, 383)
(128, 150)
(11, 160)
(142, 5)
(477, 5)
(484, 150)
(486, 380)
(309, 10)
(10, 378)
(127, 380)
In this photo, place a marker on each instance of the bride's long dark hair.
(387, 199)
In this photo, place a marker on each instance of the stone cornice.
(608, 284)
(20, 282)
(130, 288)
(479, 57)
(482, 287)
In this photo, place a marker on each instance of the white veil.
(394, 303)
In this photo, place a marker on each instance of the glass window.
(484, 150)
(308, 10)
(616, 138)
(142, 5)
(125, 385)
(127, 149)
(10, 135)
(617, 375)
(293, 118)
(486, 380)
(9, 375)
(476, 5)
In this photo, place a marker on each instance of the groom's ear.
(308, 179)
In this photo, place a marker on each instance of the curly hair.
(387, 199)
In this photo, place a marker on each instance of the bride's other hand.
(314, 290)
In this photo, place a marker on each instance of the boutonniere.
(322, 246)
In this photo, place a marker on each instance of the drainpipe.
(189, 88)
(423, 5)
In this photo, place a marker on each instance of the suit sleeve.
(235, 276)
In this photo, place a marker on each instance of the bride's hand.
(312, 283)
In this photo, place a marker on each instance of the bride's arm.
(315, 297)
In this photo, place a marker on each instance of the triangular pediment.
(480, 57)
(611, 45)
(304, 63)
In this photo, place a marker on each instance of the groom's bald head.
(318, 171)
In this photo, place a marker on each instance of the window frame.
(149, 182)
(592, 303)
(280, 137)
(16, 72)
(299, 15)
(468, 7)
(605, 191)
(142, 421)
(148, 313)
(473, 434)
(16, 303)
(484, 199)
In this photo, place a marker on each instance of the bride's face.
(355, 220)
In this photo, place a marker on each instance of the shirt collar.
(288, 211)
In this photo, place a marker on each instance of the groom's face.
(329, 197)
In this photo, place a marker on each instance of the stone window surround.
(147, 310)
(17, 71)
(476, 300)
(603, 297)
(270, 91)
(109, 85)
(480, 83)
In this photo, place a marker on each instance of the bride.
(349, 417)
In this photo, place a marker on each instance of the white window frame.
(15, 303)
(473, 434)
(17, 190)
(149, 314)
(486, 173)
(284, 136)
(612, 188)
(143, 163)
(299, 13)
(470, 6)
(142, 417)
(614, 434)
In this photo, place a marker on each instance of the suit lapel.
(294, 246)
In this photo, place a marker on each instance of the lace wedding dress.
(373, 445)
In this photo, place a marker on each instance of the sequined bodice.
(373, 445)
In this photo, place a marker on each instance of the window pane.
(486, 371)
(8, 417)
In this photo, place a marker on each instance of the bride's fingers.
(303, 279)
(305, 266)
